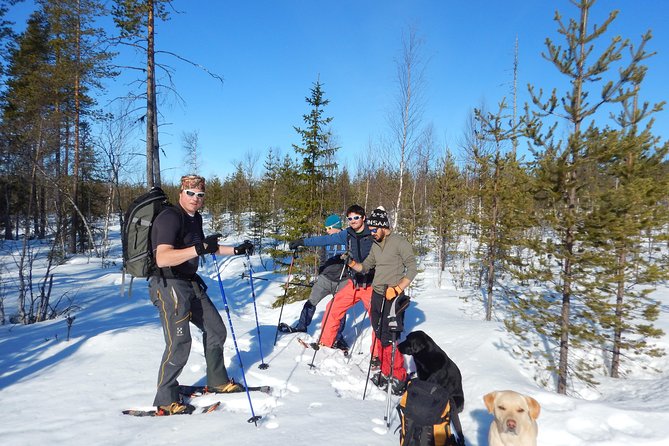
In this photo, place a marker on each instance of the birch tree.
(406, 115)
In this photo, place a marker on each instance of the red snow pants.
(345, 298)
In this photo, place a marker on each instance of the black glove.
(208, 246)
(296, 244)
(244, 248)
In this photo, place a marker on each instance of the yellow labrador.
(515, 418)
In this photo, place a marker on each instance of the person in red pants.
(358, 241)
(395, 264)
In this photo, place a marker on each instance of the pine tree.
(309, 183)
(237, 190)
(447, 207)
(316, 168)
(501, 194)
(6, 34)
(78, 69)
(563, 313)
(215, 204)
(630, 197)
(28, 119)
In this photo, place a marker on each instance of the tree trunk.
(493, 244)
(618, 330)
(42, 212)
(74, 229)
(152, 147)
(8, 218)
(571, 207)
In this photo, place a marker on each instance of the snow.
(71, 392)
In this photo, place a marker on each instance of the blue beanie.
(333, 221)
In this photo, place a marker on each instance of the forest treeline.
(570, 238)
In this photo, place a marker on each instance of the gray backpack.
(138, 260)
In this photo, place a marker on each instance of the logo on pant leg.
(180, 331)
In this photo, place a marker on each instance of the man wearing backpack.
(393, 259)
(180, 295)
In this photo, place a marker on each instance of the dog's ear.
(401, 346)
(535, 407)
(489, 400)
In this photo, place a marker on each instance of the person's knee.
(217, 337)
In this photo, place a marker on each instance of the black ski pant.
(179, 302)
(387, 316)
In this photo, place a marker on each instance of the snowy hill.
(72, 392)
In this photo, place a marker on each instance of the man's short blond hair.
(192, 182)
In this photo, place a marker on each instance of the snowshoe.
(379, 380)
(285, 328)
(175, 409)
(340, 344)
(397, 387)
(229, 387)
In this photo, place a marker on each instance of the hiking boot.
(340, 344)
(175, 409)
(229, 387)
(379, 380)
(285, 328)
(375, 363)
(397, 387)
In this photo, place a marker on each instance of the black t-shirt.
(167, 230)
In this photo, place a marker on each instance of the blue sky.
(271, 52)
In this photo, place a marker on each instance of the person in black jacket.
(180, 295)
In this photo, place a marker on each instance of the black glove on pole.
(244, 248)
(208, 246)
(296, 244)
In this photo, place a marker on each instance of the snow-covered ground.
(54, 391)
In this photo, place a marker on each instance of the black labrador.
(433, 365)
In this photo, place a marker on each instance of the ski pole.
(283, 302)
(378, 337)
(327, 315)
(386, 418)
(254, 419)
(358, 335)
(307, 285)
(262, 365)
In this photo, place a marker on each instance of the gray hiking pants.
(179, 302)
(324, 287)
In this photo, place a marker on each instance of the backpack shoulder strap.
(177, 209)
(455, 419)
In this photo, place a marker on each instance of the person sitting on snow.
(330, 280)
(358, 241)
